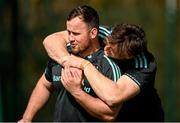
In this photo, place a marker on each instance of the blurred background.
(25, 23)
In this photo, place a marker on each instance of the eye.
(68, 32)
(105, 42)
(75, 33)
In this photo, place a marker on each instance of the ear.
(93, 33)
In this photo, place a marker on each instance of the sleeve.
(48, 70)
(144, 77)
(110, 69)
(104, 31)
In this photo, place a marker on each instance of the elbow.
(109, 118)
(112, 115)
(113, 101)
(46, 42)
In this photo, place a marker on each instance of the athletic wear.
(104, 31)
(66, 108)
(146, 106)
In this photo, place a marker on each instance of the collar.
(93, 57)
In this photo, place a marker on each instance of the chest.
(56, 77)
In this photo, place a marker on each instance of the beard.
(80, 50)
(75, 49)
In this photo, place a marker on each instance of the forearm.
(101, 84)
(71, 79)
(96, 107)
(106, 89)
(55, 45)
(112, 93)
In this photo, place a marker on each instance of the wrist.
(77, 93)
(28, 116)
(84, 64)
(64, 59)
(26, 119)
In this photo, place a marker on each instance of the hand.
(72, 79)
(24, 121)
(73, 61)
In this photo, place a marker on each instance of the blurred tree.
(170, 54)
(25, 23)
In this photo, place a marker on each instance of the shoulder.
(104, 60)
(104, 32)
(144, 71)
(105, 65)
(110, 67)
(142, 61)
(145, 61)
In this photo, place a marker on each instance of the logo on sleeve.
(87, 89)
(56, 78)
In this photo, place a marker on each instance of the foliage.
(36, 19)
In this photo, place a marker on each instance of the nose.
(106, 48)
(71, 37)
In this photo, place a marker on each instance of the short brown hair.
(88, 14)
(131, 40)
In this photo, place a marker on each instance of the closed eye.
(73, 33)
